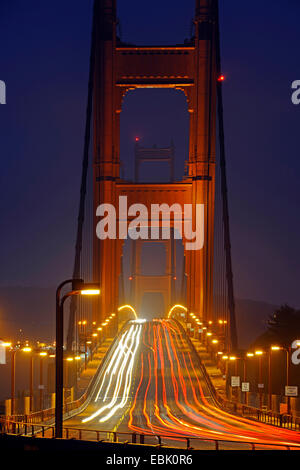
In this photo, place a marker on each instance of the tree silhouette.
(283, 328)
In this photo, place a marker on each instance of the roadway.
(151, 383)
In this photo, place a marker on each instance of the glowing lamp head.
(43, 354)
(221, 78)
(259, 353)
(27, 349)
(90, 292)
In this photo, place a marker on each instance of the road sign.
(261, 385)
(283, 408)
(235, 381)
(245, 387)
(2, 353)
(291, 391)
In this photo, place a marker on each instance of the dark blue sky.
(44, 62)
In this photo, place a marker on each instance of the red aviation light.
(221, 78)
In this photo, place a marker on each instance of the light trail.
(119, 375)
(153, 376)
(128, 307)
(172, 374)
(177, 306)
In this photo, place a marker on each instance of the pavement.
(151, 383)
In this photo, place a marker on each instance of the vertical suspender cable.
(229, 273)
(83, 188)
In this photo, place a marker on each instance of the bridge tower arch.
(120, 68)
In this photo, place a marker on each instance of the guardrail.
(189, 443)
(47, 416)
(69, 409)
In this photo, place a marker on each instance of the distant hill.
(32, 309)
(251, 318)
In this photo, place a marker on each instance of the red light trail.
(175, 400)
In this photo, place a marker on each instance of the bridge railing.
(48, 431)
(69, 409)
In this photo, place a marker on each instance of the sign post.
(245, 387)
(235, 381)
(291, 391)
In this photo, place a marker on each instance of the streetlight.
(42, 355)
(288, 355)
(78, 287)
(28, 349)
(225, 358)
(208, 334)
(13, 375)
(260, 354)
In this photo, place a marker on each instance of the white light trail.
(140, 321)
(119, 375)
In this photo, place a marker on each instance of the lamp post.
(78, 287)
(13, 380)
(260, 354)
(214, 343)
(248, 355)
(234, 359)
(82, 335)
(288, 355)
(273, 348)
(42, 355)
(13, 377)
(31, 384)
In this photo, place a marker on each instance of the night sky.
(44, 61)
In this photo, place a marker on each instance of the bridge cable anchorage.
(83, 188)
(224, 190)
